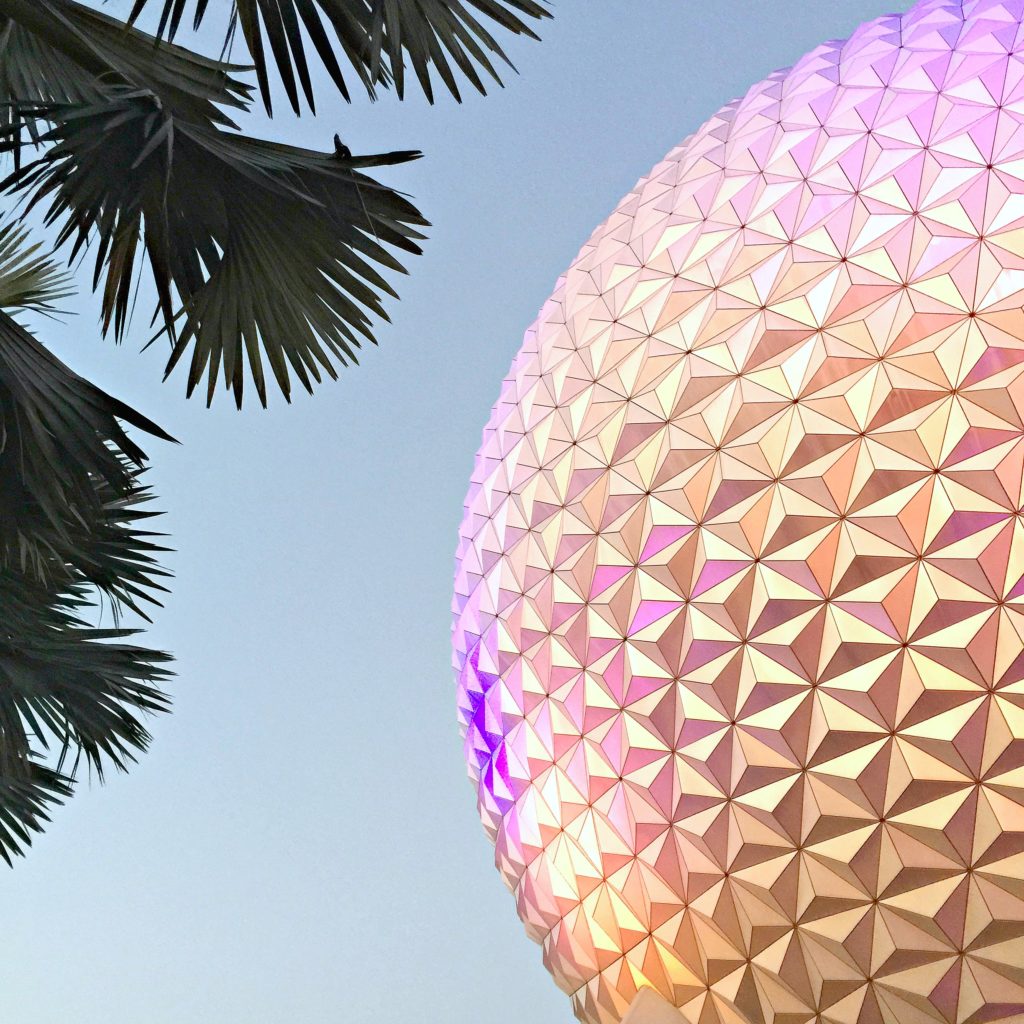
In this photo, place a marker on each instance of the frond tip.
(378, 39)
(29, 280)
(68, 693)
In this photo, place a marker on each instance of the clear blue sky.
(301, 844)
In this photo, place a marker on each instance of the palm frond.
(429, 32)
(26, 795)
(33, 73)
(377, 38)
(68, 693)
(65, 465)
(61, 52)
(270, 250)
(67, 687)
(28, 280)
(72, 533)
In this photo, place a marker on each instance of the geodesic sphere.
(740, 589)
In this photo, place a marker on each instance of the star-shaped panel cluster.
(739, 613)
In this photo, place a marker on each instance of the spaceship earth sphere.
(739, 600)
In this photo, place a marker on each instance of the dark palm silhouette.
(268, 262)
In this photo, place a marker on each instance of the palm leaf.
(271, 251)
(31, 74)
(67, 687)
(67, 691)
(377, 38)
(262, 252)
(25, 798)
(28, 280)
(64, 457)
(71, 532)
(61, 52)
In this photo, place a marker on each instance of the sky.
(301, 843)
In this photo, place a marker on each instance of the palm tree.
(260, 253)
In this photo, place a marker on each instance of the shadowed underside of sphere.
(740, 589)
